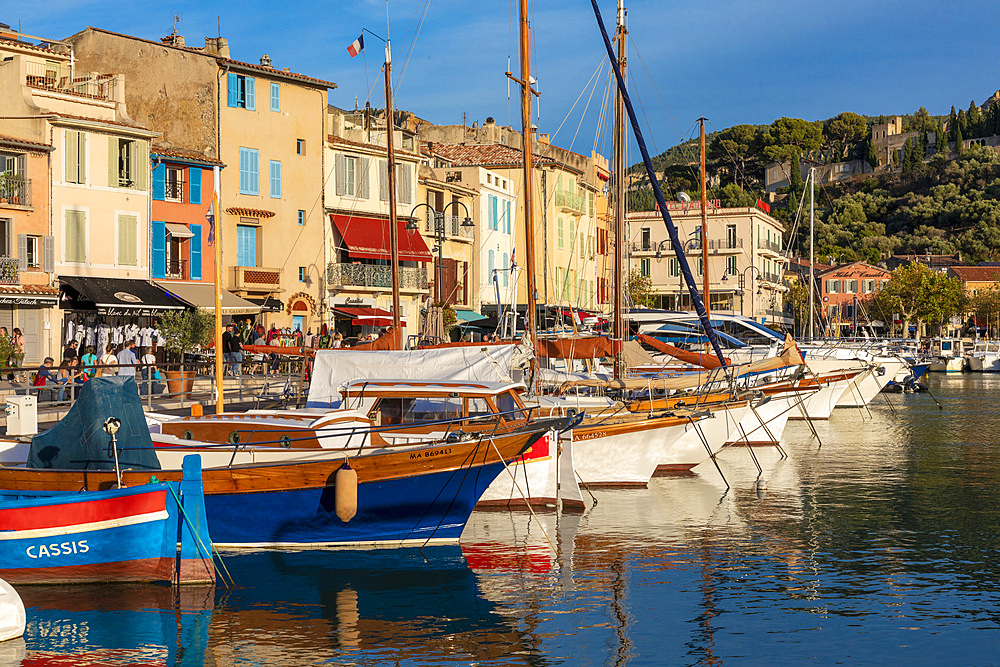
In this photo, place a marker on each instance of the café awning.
(116, 296)
(202, 296)
(368, 238)
(178, 231)
(373, 317)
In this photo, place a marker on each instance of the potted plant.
(184, 331)
(11, 187)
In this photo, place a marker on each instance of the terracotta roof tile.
(28, 289)
(135, 126)
(375, 147)
(5, 139)
(485, 155)
(14, 42)
(976, 273)
(185, 155)
(250, 212)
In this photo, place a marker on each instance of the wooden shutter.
(160, 182)
(49, 254)
(232, 90)
(140, 163)
(71, 146)
(250, 96)
(81, 151)
(159, 245)
(22, 251)
(194, 185)
(76, 239)
(113, 162)
(383, 180)
(275, 96)
(128, 230)
(244, 171)
(341, 174)
(195, 252)
(363, 178)
(275, 179)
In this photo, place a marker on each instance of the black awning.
(116, 296)
(268, 305)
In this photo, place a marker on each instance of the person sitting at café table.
(45, 374)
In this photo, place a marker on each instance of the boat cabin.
(400, 402)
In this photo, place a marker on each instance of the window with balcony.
(730, 236)
(646, 238)
(175, 256)
(173, 184)
(240, 91)
(13, 178)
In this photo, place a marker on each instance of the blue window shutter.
(491, 264)
(275, 97)
(244, 171)
(493, 213)
(194, 185)
(254, 172)
(159, 243)
(250, 93)
(510, 223)
(196, 252)
(232, 90)
(275, 179)
(159, 182)
(505, 267)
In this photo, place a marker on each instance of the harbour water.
(878, 546)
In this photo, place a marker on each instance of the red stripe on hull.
(674, 470)
(752, 443)
(613, 485)
(88, 511)
(146, 569)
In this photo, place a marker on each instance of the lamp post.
(741, 285)
(439, 238)
(690, 243)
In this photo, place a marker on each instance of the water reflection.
(877, 545)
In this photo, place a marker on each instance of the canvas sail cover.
(78, 441)
(333, 369)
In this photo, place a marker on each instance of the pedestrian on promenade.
(232, 350)
(70, 351)
(108, 360)
(127, 359)
(89, 360)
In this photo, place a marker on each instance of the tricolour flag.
(355, 48)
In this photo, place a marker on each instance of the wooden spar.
(219, 396)
(529, 227)
(618, 329)
(704, 226)
(393, 228)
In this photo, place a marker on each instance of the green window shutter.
(341, 175)
(113, 162)
(81, 163)
(71, 147)
(75, 248)
(140, 163)
(127, 229)
(362, 179)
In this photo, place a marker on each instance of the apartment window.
(300, 146)
(832, 286)
(246, 245)
(275, 179)
(646, 240)
(730, 236)
(240, 91)
(590, 196)
(32, 251)
(731, 265)
(75, 143)
(674, 267)
(644, 266)
(122, 163)
(173, 184)
(302, 217)
(5, 231)
(559, 233)
(348, 176)
(128, 240)
(75, 237)
(302, 274)
(276, 97)
(407, 142)
(701, 266)
(249, 172)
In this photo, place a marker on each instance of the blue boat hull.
(417, 509)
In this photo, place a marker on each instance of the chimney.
(217, 46)
(173, 39)
(265, 60)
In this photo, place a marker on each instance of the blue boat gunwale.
(13, 499)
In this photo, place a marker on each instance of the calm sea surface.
(880, 546)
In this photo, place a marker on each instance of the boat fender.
(345, 492)
(12, 616)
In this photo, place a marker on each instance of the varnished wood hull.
(412, 496)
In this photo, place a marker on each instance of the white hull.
(534, 477)
(621, 456)
(947, 365)
(984, 364)
(820, 405)
(690, 451)
(765, 424)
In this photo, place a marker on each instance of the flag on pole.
(210, 217)
(358, 44)
(513, 262)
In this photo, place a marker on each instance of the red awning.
(373, 317)
(368, 238)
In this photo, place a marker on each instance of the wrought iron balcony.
(570, 202)
(14, 189)
(10, 271)
(371, 275)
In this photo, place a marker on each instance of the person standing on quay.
(127, 359)
(232, 350)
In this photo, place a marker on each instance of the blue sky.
(733, 61)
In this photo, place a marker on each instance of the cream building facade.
(746, 261)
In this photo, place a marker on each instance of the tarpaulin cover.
(78, 441)
(697, 358)
(334, 368)
(593, 347)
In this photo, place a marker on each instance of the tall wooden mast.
(704, 227)
(618, 155)
(393, 227)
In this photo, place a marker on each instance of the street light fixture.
(439, 238)
(742, 285)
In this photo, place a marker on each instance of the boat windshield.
(414, 410)
(511, 408)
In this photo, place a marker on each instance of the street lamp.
(692, 244)
(439, 238)
(741, 286)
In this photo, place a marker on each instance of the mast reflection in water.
(878, 546)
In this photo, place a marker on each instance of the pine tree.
(958, 140)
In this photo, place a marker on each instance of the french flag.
(355, 48)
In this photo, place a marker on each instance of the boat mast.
(812, 259)
(393, 228)
(618, 154)
(529, 233)
(217, 221)
(704, 225)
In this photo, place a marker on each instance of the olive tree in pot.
(184, 331)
